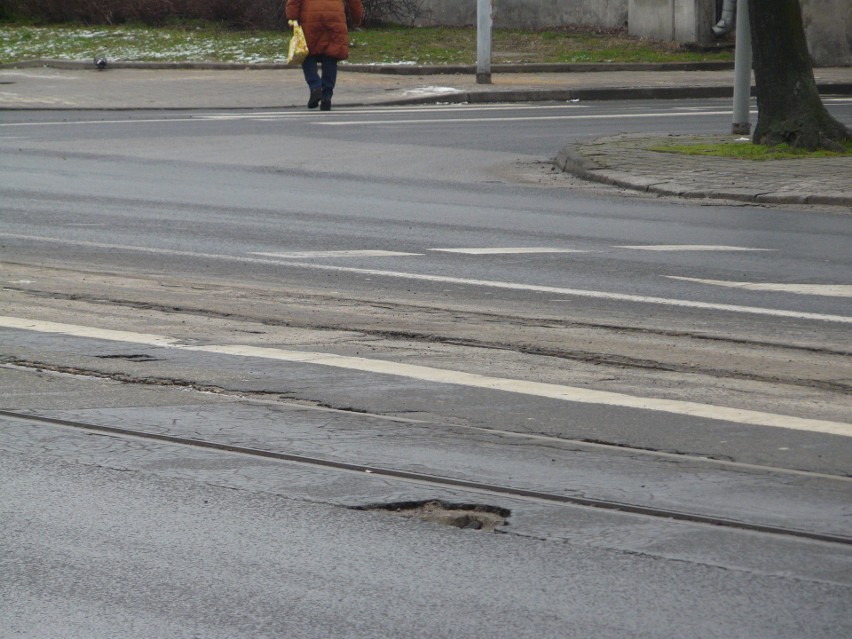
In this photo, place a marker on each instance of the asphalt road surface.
(237, 346)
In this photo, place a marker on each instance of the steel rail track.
(506, 491)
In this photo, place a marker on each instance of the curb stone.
(581, 95)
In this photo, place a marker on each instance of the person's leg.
(312, 77)
(329, 80)
(728, 19)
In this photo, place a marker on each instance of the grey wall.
(530, 14)
(828, 23)
(677, 20)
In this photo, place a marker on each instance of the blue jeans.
(329, 74)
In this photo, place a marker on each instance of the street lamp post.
(742, 72)
(483, 41)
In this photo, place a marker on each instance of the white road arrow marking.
(506, 251)
(423, 277)
(690, 247)
(297, 255)
(826, 290)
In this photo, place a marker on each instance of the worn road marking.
(506, 251)
(443, 376)
(690, 247)
(395, 110)
(679, 114)
(296, 255)
(826, 290)
(300, 115)
(207, 118)
(573, 292)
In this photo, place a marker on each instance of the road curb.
(567, 95)
(590, 95)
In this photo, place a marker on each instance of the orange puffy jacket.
(324, 22)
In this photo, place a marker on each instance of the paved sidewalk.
(624, 161)
(628, 161)
(199, 86)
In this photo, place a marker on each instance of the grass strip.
(205, 42)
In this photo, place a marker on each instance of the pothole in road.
(466, 516)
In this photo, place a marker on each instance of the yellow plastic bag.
(298, 50)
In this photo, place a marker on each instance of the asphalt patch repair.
(465, 516)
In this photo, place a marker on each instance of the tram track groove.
(437, 480)
(279, 398)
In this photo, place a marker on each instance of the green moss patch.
(744, 150)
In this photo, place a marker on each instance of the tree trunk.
(789, 107)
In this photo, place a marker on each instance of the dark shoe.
(316, 96)
(326, 105)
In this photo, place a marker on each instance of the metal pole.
(483, 41)
(742, 72)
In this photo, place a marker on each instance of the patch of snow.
(427, 91)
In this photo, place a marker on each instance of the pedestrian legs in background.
(321, 85)
(314, 100)
(726, 23)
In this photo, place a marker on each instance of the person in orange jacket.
(324, 23)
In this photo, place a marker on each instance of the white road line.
(619, 297)
(603, 295)
(690, 247)
(300, 115)
(825, 290)
(75, 122)
(466, 108)
(219, 117)
(297, 255)
(679, 114)
(443, 376)
(506, 251)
